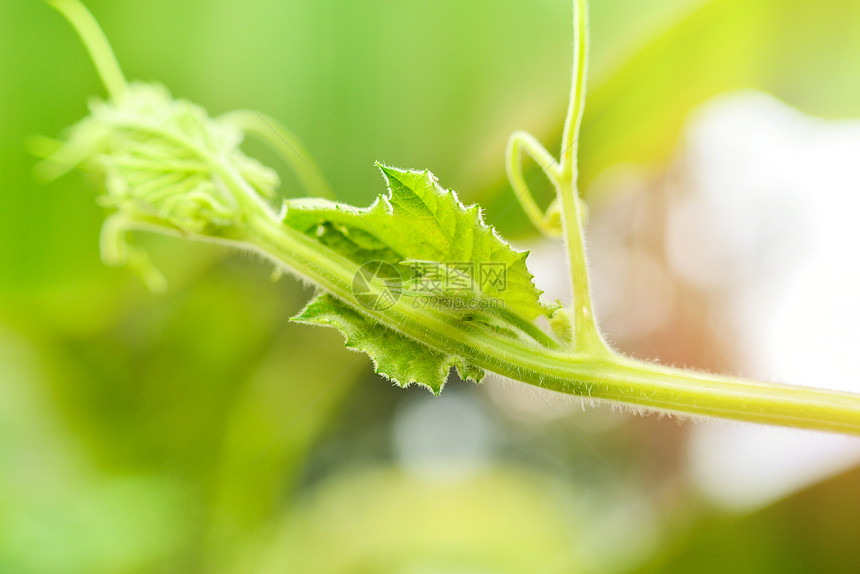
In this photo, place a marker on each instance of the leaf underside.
(396, 357)
(420, 225)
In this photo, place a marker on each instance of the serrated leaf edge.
(449, 360)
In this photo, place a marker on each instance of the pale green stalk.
(97, 45)
(608, 376)
(288, 146)
(563, 176)
(589, 369)
(524, 141)
(586, 334)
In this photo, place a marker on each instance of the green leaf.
(396, 357)
(418, 220)
(459, 266)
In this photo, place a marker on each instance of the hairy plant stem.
(607, 376)
(563, 175)
(586, 334)
(590, 369)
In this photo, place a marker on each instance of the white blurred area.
(759, 218)
(775, 196)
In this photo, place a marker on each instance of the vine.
(417, 281)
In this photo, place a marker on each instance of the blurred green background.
(200, 431)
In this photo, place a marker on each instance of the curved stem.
(607, 377)
(287, 145)
(610, 377)
(592, 370)
(586, 334)
(513, 164)
(96, 43)
(569, 143)
(563, 176)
